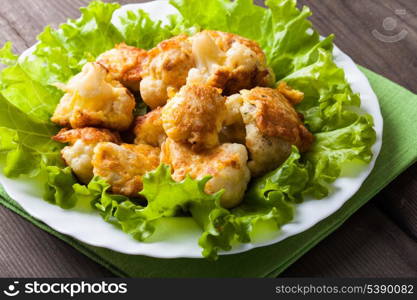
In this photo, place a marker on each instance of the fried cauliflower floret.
(123, 166)
(272, 125)
(229, 62)
(149, 130)
(225, 163)
(93, 99)
(124, 64)
(195, 116)
(79, 153)
(165, 70)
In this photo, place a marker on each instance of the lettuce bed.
(294, 51)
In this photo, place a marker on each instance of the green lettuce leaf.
(165, 198)
(333, 149)
(58, 188)
(7, 57)
(26, 145)
(139, 30)
(328, 98)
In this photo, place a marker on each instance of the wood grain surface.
(380, 240)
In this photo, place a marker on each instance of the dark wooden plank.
(21, 21)
(23, 246)
(399, 201)
(367, 245)
(27, 251)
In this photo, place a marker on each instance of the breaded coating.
(124, 64)
(229, 62)
(227, 164)
(165, 70)
(148, 129)
(122, 166)
(272, 126)
(93, 99)
(195, 116)
(294, 96)
(82, 141)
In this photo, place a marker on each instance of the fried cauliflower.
(227, 164)
(229, 62)
(93, 98)
(218, 59)
(149, 130)
(123, 166)
(195, 116)
(272, 125)
(79, 153)
(213, 113)
(124, 64)
(165, 70)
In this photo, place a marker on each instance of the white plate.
(88, 227)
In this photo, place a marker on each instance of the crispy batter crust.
(294, 96)
(239, 68)
(79, 153)
(124, 64)
(89, 135)
(195, 116)
(165, 70)
(94, 99)
(148, 129)
(123, 166)
(276, 117)
(225, 40)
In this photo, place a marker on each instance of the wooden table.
(379, 240)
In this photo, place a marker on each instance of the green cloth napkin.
(399, 151)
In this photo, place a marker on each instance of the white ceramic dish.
(88, 227)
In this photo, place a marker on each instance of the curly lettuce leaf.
(7, 57)
(328, 98)
(58, 188)
(165, 198)
(333, 149)
(139, 30)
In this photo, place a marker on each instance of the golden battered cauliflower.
(93, 99)
(148, 129)
(165, 70)
(229, 62)
(195, 116)
(80, 152)
(225, 163)
(124, 64)
(123, 166)
(218, 59)
(272, 125)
